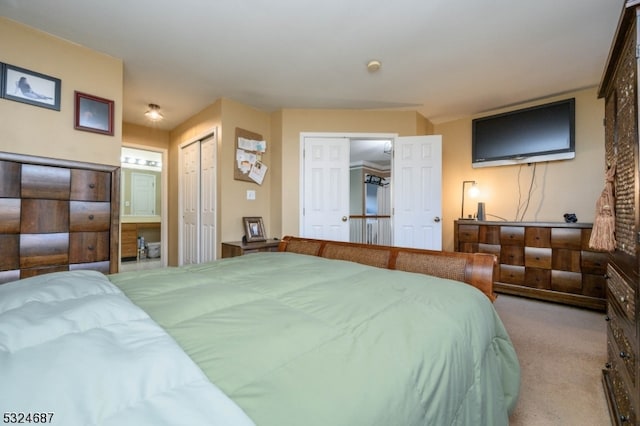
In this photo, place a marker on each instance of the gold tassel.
(604, 226)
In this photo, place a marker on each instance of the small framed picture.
(30, 87)
(254, 229)
(93, 114)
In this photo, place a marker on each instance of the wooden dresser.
(548, 261)
(239, 248)
(621, 375)
(57, 215)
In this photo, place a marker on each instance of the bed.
(295, 337)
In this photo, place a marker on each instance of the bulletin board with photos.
(250, 148)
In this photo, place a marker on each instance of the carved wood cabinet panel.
(57, 215)
(621, 375)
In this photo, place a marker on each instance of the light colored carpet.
(562, 351)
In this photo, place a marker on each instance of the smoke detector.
(374, 65)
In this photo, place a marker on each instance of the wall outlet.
(251, 194)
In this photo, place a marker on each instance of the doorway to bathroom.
(143, 208)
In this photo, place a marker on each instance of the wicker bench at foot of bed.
(475, 269)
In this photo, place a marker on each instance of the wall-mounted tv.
(540, 133)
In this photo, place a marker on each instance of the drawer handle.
(623, 299)
(90, 248)
(91, 217)
(624, 418)
(607, 318)
(92, 185)
(624, 355)
(608, 366)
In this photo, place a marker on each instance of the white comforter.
(72, 344)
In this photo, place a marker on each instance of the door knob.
(344, 218)
(436, 219)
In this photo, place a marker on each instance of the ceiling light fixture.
(374, 65)
(153, 113)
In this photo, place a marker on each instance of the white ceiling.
(446, 59)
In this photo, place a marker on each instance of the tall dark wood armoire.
(619, 88)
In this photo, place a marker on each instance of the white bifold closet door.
(198, 201)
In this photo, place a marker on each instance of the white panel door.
(208, 199)
(190, 203)
(326, 188)
(417, 188)
(143, 194)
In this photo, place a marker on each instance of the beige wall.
(32, 130)
(143, 136)
(231, 193)
(296, 121)
(276, 191)
(198, 126)
(569, 186)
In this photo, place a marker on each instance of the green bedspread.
(302, 340)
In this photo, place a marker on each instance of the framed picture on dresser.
(253, 229)
(30, 87)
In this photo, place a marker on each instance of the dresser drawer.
(566, 281)
(44, 216)
(593, 262)
(89, 216)
(537, 278)
(489, 234)
(9, 251)
(37, 250)
(93, 266)
(620, 388)
(566, 238)
(537, 257)
(89, 185)
(512, 274)
(10, 178)
(594, 286)
(512, 255)
(8, 276)
(537, 237)
(623, 352)
(10, 215)
(512, 235)
(621, 293)
(45, 182)
(489, 248)
(32, 272)
(88, 247)
(566, 260)
(468, 233)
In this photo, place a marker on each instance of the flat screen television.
(540, 133)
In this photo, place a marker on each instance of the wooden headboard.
(475, 269)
